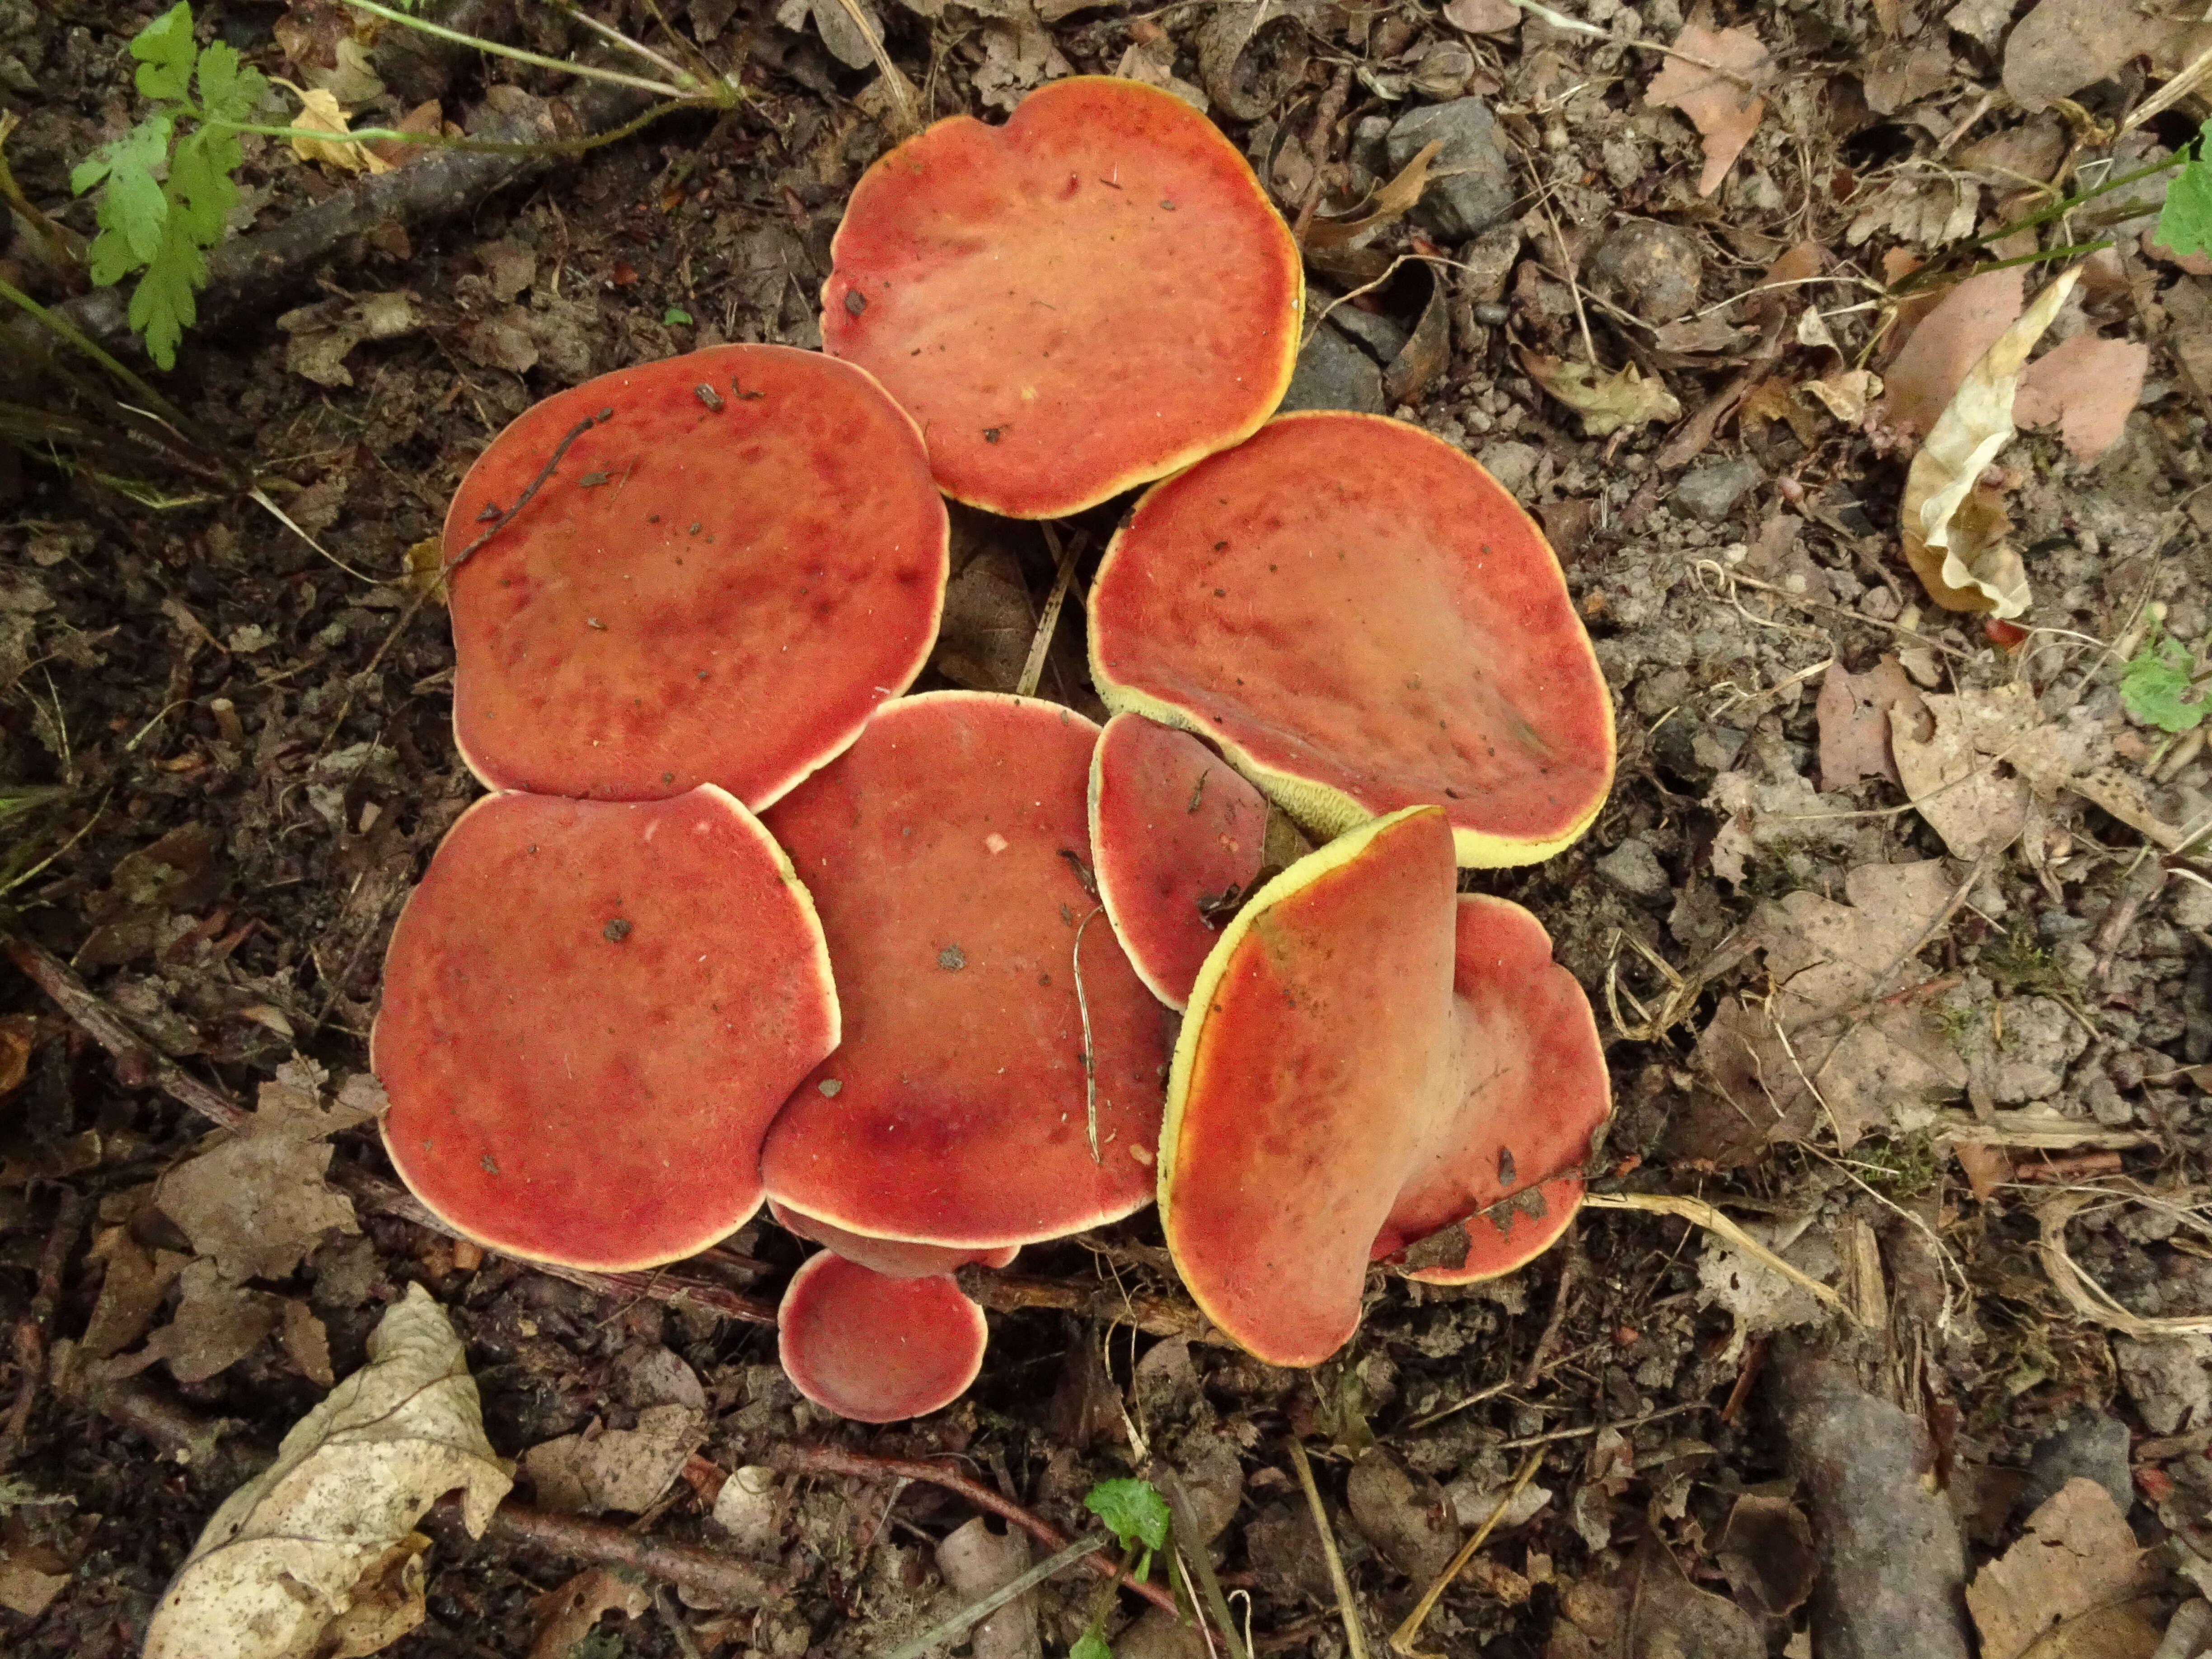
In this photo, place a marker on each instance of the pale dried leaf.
(319, 111)
(132, 1287)
(1971, 774)
(2088, 387)
(1949, 340)
(975, 1562)
(2079, 1558)
(258, 1202)
(1723, 108)
(1986, 574)
(289, 1552)
(1483, 16)
(1607, 402)
(216, 1324)
(625, 1469)
(26, 1586)
(1845, 394)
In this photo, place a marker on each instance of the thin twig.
(1347, 1609)
(589, 72)
(832, 1460)
(32, 1346)
(1090, 1055)
(946, 1630)
(1156, 1315)
(1402, 1639)
(1041, 640)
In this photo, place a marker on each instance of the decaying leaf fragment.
(2078, 1568)
(1607, 402)
(1722, 102)
(319, 111)
(1389, 204)
(1956, 534)
(319, 1554)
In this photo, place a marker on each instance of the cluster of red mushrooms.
(742, 921)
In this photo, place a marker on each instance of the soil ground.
(228, 775)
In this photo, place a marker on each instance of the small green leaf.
(2184, 223)
(228, 89)
(1133, 1510)
(132, 209)
(675, 317)
(2156, 687)
(164, 51)
(1091, 1645)
(161, 306)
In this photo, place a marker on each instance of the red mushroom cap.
(1174, 828)
(1363, 620)
(888, 1256)
(1088, 297)
(946, 849)
(718, 579)
(875, 1348)
(1346, 1075)
(592, 1012)
(1508, 1162)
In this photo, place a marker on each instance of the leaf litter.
(319, 1553)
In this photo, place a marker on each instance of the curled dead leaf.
(1956, 537)
(1390, 204)
(297, 1559)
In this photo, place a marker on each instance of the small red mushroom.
(1363, 620)
(874, 1348)
(1368, 1061)
(949, 851)
(1088, 297)
(736, 555)
(592, 1012)
(1178, 837)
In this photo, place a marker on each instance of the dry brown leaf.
(18, 1034)
(320, 112)
(1986, 1168)
(1984, 755)
(566, 1616)
(31, 1575)
(1724, 108)
(1706, 334)
(1607, 402)
(1389, 204)
(1948, 342)
(2069, 1588)
(256, 1202)
(975, 1562)
(291, 1553)
(136, 1281)
(2063, 45)
(1775, 399)
(1483, 16)
(2088, 387)
(1854, 716)
(1971, 565)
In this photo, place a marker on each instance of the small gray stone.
(1650, 268)
(1334, 374)
(1383, 339)
(1486, 263)
(1370, 144)
(1712, 489)
(1513, 464)
(2167, 1378)
(1635, 869)
(1471, 182)
(2091, 1447)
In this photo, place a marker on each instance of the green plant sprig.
(160, 226)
